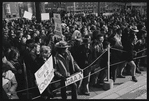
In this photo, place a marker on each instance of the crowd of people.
(27, 44)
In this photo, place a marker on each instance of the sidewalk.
(123, 88)
(128, 90)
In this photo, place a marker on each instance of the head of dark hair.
(12, 54)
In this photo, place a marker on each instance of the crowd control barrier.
(107, 67)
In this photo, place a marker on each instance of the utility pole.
(38, 11)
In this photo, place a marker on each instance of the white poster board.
(44, 75)
(27, 15)
(45, 16)
(74, 78)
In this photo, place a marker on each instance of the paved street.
(123, 88)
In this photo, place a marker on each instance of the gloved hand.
(68, 74)
(81, 70)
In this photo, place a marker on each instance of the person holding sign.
(45, 53)
(65, 66)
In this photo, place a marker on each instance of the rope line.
(81, 79)
(117, 63)
(25, 89)
(140, 57)
(36, 97)
(126, 51)
(118, 49)
(84, 77)
(94, 61)
(85, 67)
(142, 50)
(98, 71)
(60, 80)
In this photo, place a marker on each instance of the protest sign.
(58, 27)
(45, 16)
(57, 23)
(44, 75)
(27, 15)
(57, 16)
(74, 78)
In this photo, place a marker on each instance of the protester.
(14, 58)
(45, 53)
(65, 66)
(85, 59)
(116, 56)
(97, 50)
(9, 82)
(28, 36)
(130, 53)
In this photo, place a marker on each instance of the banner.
(45, 16)
(27, 15)
(44, 75)
(74, 78)
(57, 23)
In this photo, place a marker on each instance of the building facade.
(86, 7)
(141, 7)
(10, 9)
(16, 9)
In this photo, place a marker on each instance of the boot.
(134, 79)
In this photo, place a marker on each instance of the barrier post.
(108, 63)
(109, 83)
(26, 80)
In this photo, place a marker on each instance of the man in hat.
(134, 29)
(65, 66)
(85, 58)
